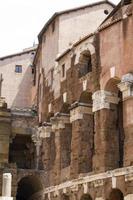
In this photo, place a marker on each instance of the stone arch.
(86, 97)
(86, 197)
(27, 187)
(111, 85)
(89, 47)
(115, 114)
(85, 63)
(65, 197)
(116, 194)
(65, 108)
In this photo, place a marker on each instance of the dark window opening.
(63, 70)
(32, 70)
(22, 152)
(18, 68)
(85, 65)
(52, 76)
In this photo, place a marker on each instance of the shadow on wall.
(116, 194)
(23, 97)
(27, 187)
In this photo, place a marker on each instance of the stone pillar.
(6, 187)
(59, 127)
(82, 144)
(46, 145)
(47, 151)
(37, 139)
(106, 138)
(126, 87)
(5, 131)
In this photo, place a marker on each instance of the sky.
(22, 20)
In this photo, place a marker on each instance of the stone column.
(59, 127)
(47, 150)
(82, 144)
(106, 140)
(126, 87)
(46, 145)
(6, 187)
(36, 137)
(5, 131)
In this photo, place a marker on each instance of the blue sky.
(22, 20)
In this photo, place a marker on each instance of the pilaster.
(61, 128)
(126, 87)
(81, 117)
(106, 153)
(5, 131)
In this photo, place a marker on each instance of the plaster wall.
(77, 24)
(116, 52)
(16, 87)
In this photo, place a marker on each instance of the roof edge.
(71, 10)
(18, 54)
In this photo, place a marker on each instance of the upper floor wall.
(67, 27)
(116, 51)
(75, 25)
(16, 84)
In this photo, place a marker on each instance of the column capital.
(126, 86)
(41, 132)
(102, 99)
(36, 136)
(78, 109)
(59, 121)
(3, 103)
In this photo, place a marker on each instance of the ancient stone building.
(85, 112)
(17, 116)
(83, 92)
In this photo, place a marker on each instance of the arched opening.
(65, 108)
(85, 63)
(116, 194)
(86, 197)
(86, 97)
(65, 197)
(22, 152)
(116, 112)
(27, 187)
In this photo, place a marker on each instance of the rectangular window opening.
(63, 70)
(18, 68)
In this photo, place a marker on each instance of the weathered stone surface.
(82, 145)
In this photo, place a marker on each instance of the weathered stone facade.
(83, 131)
(93, 88)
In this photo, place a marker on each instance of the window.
(85, 64)
(52, 76)
(63, 70)
(18, 68)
